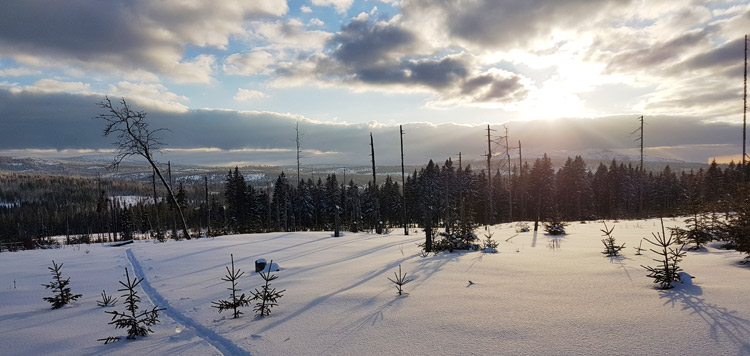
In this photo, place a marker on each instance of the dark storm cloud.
(61, 121)
(78, 29)
(363, 43)
(367, 52)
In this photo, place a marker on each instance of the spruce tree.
(667, 272)
(137, 324)
(235, 301)
(400, 280)
(59, 286)
(267, 296)
(610, 248)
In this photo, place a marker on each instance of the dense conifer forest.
(36, 207)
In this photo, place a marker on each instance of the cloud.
(247, 64)
(656, 55)
(383, 55)
(57, 121)
(122, 37)
(489, 25)
(247, 95)
(340, 5)
(53, 86)
(18, 72)
(287, 36)
(152, 96)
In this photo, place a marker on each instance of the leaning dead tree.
(135, 138)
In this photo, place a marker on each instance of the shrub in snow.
(107, 300)
(668, 271)
(400, 280)
(60, 287)
(137, 324)
(611, 249)
(489, 245)
(235, 301)
(267, 296)
(522, 227)
(555, 226)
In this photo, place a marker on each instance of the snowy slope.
(538, 296)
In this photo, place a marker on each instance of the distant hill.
(97, 165)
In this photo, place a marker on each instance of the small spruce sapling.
(490, 245)
(107, 300)
(555, 225)
(60, 287)
(668, 271)
(235, 301)
(639, 249)
(137, 324)
(610, 248)
(266, 295)
(400, 280)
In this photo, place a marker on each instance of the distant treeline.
(452, 197)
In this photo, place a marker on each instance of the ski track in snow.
(222, 344)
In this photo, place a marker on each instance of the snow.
(538, 296)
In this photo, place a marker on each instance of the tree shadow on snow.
(372, 320)
(428, 266)
(321, 299)
(720, 321)
(619, 260)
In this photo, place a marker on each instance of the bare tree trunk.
(172, 197)
(403, 184)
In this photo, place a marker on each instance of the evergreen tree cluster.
(452, 198)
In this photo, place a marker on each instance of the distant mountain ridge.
(97, 165)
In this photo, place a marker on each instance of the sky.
(231, 80)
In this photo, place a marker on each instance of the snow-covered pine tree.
(137, 324)
(668, 272)
(235, 301)
(266, 295)
(60, 287)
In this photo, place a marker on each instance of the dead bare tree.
(135, 138)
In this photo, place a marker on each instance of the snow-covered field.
(538, 296)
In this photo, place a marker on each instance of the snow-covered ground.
(538, 296)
